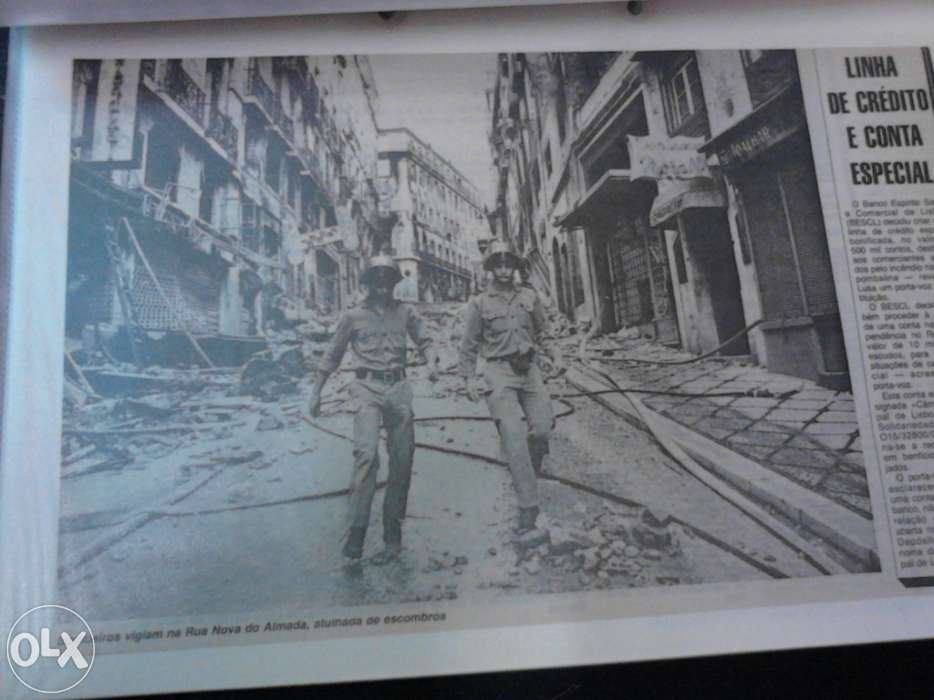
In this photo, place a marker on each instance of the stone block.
(834, 442)
(751, 437)
(767, 426)
(755, 402)
(837, 417)
(793, 414)
(804, 404)
(832, 429)
(753, 411)
(798, 457)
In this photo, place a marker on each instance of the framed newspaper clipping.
(341, 349)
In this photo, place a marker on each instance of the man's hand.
(432, 360)
(474, 388)
(314, 404)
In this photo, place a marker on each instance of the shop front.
(768, 163)
(691, 208)
(630, 282)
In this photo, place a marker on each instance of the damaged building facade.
(436, 215)
(673, 192)
(213, 197)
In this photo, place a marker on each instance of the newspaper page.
(360, 346)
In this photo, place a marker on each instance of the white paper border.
(36, 172)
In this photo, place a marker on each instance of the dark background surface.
(904, 669)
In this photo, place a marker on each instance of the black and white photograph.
(456, 329)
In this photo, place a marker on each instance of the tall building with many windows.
(436, 215)
(204, 191)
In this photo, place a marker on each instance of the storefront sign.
(673, 158)
(754, 139)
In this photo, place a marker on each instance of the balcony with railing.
(222, 129)
(183, 90)
(258, 87)
(313, 164)
(284, 122)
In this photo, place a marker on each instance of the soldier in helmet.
(377, 330)
(506, 324)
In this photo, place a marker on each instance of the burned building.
(211, 198)
(672, 192)
(436, 217)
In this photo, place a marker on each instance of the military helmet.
(500, 249)
(380, 262)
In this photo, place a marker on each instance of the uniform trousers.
(389, 406)
(525, 442)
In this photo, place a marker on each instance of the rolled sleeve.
(540, 326)
(335, 352)
(416, 328)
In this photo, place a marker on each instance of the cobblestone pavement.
(801, 430)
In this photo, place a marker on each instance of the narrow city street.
(228, 499)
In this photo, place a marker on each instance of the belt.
(389, 376)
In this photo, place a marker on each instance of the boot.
(353, 547)
(527, 518)
(392, 537)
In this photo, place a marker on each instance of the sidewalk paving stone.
(799, 457)
(834, 442)
(749, 437)
(804, 432)
(753, 412)
(837, 417)
(764, 426)
(805, 404)
(789, 414)
(755, 402)
(727, 424)
(796, 426)
(831, 428)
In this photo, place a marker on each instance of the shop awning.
(768, 124)
(614, 196)
(676, 196)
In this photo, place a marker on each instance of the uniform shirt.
(378, 338)
(501, 323)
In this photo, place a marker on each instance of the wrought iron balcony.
(186, 93)
(285, 124)
(313, 164)
(221, 128)
(299, 64)
(258, 87)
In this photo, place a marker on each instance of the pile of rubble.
(605, 546)
(116, 415)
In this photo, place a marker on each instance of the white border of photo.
(36, 170)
